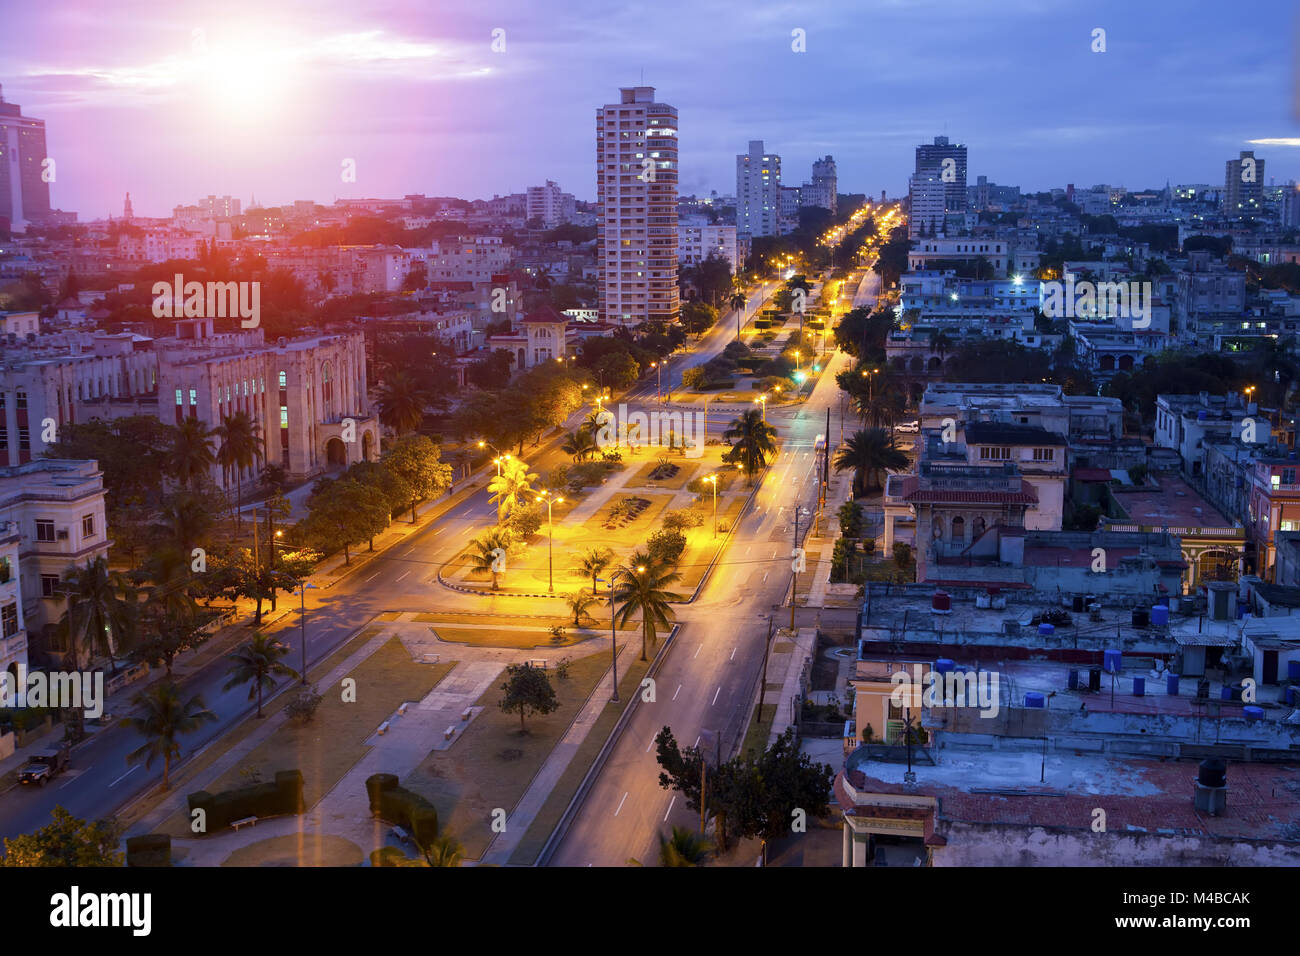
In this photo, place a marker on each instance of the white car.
(908, 428)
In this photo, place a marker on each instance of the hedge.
(260, 800)
(152, 849)
(402, 807)
(392, 856)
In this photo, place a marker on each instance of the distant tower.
(127, 213)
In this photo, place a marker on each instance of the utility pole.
(794, 572)
(762, 687)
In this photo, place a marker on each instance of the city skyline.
(325, 92)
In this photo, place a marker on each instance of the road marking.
(765, 574)
(670, 807)
(697, 741)
(715, 695)
(697, 652)
(620, 804)
(677, 691)
(733, 654)
(74, 780)
(749, 549)
(774, 550)
(371, 578)
(404, 574)
(467, 512)
(651, 743)
(125, 775)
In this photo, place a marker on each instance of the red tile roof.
(1025, 496)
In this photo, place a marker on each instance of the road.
(708, 678)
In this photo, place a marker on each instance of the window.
(88, 525)
(994, 453)
(9, 618)
(24, 438)
(22, 399)
(1044, 454)
(284, 379)
(49, 585)
(44, 529)
(6, 570)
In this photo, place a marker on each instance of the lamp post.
(550, 539)
(658, 367)
(713, 480)
(762, 400)
(613, 639)
(303, 585)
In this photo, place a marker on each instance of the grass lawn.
(517, 637)
(700, 546)
(760, 726)
(549, 816)
(492, 764)
(327, 747)
(633, 529)
(299, 849)
(686, 469)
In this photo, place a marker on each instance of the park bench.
(383, 727)
(252, 821)
(429, 659)
(538, 662)
(402, 835)
(449, 732)
(402, 710)
(467, 713)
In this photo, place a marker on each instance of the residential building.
(758, 192)
(549, 205)
(1186, 423)
(947, 161)
(13, 626)
(695, 243)
(1243, 185)
(24, 178)
(636, 188)
(822, 191)
(926, 198)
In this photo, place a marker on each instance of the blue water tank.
(1225, 692)
(1074, 679)
(1139, 686)
(1035, 699)
(1293, 669)
(944, 666)
(1171, 685)
(1253, 713)
(1160, 615)
(1292, 693)
(1045, 630)
(1201, 415)
(1112, 661)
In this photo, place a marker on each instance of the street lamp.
(613, 638)
(658, 367)
(302, 617)
(550, 539)
(713, 480)
(762, 400)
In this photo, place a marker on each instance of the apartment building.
(696, 242)
(636, 189)
(550, 205)
(758, 191)
(13, 626)
(1187, 423)
(971, 250)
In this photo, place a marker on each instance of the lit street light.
(762, 400)
(550, 539)
(713, 480)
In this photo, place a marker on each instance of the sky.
(174, 100)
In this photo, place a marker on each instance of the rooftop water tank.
(1171, 685)
(943, 665)
(1160, 616)
(1139, 686)
(1213, 772)
(1253, 713)
(941, 602)
(1045, 629)
(1112, 661)
(1035, 699)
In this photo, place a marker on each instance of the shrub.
(303, 707)
(850, 515)
(388, 856)
(666, 546)
(152, 849)
(260, 800)
(683, 519)
(693, 377)
(402, 807)
(525, 521)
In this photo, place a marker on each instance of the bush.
(683, 519)
(693, 377)
(525, 521)
(590, 472)
(260, 800)
(666, 546)
(850, 515)
(402, 807)
(152, 849)
(388, 856)
(303, 707)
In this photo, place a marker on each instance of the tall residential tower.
(24, 193)
(758, 192)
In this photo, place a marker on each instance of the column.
(846, 859)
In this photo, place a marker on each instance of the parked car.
(910, 428)
(43, 765)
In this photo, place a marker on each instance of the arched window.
(959, 530)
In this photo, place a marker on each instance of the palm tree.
(580, 445)
(259, 662)
(192, 454)
(401, 402)
(98, 615)
(683, 848)
(240, 447)
(443, 850)
(868, 451)
(578, 602)
(640, 586)
(510, 487)
(164, 717)
(753, 440)
(592, 562)
(185, 520)
(484, 551)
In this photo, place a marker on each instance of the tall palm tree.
(163, 717)
(483, 554)
(185, 520)
(737, 302)
(169, 610)
(192, 453)
(579, 445)
(684, 847)
(258, 662)
(641, 586)
(868, 451)
(592, 562)
(99, 616)
(753, 440)
(578, 602)
(401, 402)
(510, 487)
(239, 447)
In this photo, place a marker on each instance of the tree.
(578, 602)
(192, 453)
(868, 452)
(442, 850)
(698, 317)
(665, 546)
(580, 444)
(169, 612)
(683, 848)
(525, 521)
(376, 474)
(641, 586)
(401, 402)
(492, 371)
(259, 662)
(68, 841)
(527, 690)
(163, 718)
(416, 460)
(510, 487)
(98, 615)
(592, 563)
(239, 447)
(186, 520)
(344, 514)
(487, 551)
(752, 441)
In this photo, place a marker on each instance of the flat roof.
(1175, 502)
